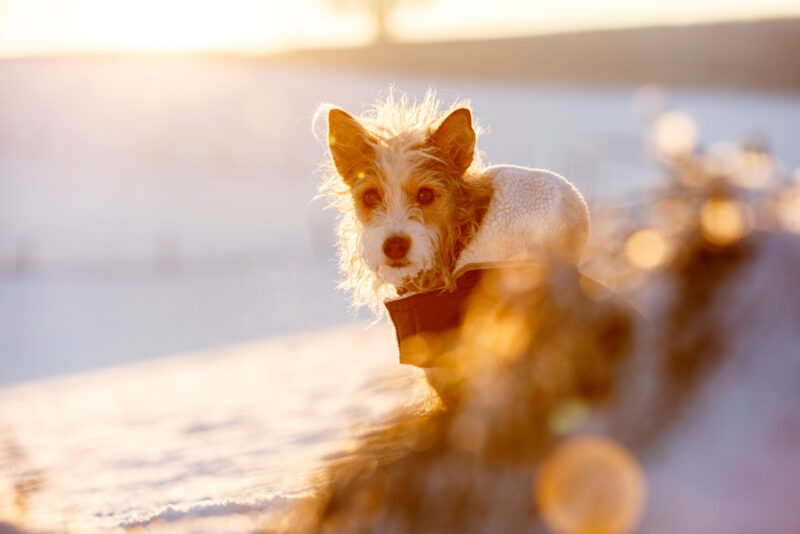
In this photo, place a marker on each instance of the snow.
(215, 432)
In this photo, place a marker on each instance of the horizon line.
(288, 49)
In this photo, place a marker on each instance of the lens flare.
(645, 249)
(590, 484)
(722, 221)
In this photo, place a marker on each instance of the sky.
(29, 27)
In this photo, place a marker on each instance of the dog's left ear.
(455, 140)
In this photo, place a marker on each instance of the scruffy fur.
(393, 153)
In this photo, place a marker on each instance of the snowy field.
(213, 433)
(156, 207)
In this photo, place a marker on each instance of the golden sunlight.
(262, 26)
(36, 26)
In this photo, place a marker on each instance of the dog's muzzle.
(396, 247)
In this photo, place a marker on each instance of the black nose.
(396, 247)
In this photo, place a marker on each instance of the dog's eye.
(371, 198)
(425, 196)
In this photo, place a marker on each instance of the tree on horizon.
(380, 11)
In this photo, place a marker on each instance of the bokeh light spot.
(645, 249)
(721, 159)
(788, 209)
(566, 417)
(590, 484)
(722, 221)
(675, 134)
(756, 170)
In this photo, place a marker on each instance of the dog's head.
(410, 201)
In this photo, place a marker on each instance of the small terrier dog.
(414, 197)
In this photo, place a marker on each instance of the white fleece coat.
(533, 213)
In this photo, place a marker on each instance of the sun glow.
(258, 26)
(243, 26)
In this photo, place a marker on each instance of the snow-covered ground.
(211, 433)
(150, 207)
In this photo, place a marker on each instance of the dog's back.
(533, 213)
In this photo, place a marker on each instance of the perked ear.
(455, 138)
(352, 147)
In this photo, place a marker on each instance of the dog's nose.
(396, 247)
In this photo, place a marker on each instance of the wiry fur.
(402, 160)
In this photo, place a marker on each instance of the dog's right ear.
(352, 147)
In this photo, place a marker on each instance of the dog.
(418, 205)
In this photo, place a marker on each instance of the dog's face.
(406, 195)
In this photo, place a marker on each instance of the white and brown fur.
(397, 150)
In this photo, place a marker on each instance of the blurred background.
(157, 159)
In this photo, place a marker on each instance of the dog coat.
(533, 213)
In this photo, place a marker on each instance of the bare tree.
(380, 11)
